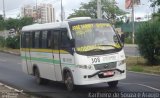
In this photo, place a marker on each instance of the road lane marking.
(144, 73)
(156, 89)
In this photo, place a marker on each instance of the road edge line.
(145, 73)
(156, 89)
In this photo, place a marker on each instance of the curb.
(10, 92)
(11, 88)
(10, 52)
(18, 91)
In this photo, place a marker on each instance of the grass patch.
(138, 64)
(131, 61)
(136, 68)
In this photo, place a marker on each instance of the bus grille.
(111, 65)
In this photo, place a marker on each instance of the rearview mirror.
(72, 41)
(122, 38)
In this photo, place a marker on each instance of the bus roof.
(87, 21)
(63, 24)
(44, 26)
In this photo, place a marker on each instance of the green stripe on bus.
(42, 59)
(45, 60)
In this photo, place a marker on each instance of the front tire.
(39, 80)
(68, 80)
(113, 84)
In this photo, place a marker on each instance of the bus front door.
(56, 55)
(27, 53)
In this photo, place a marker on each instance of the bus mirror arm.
(68, 49)
(72, 42)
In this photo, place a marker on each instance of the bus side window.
(23, 40)
(33, 40)
(49, 39)
(44, 39)
(37, 39)
(55, 39)
(65, 41)
(27, 40)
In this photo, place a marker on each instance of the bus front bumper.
(101, 71)
(97, 76)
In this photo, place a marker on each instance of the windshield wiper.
(110, 45)
(95, 50)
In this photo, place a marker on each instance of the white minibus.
(75, 52)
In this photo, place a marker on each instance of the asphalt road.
(11, 74)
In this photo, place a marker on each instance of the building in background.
(43, 13)
(27, 11)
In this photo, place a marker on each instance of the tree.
(90, 9)
(155, 3)
(17, 24)
(1, 17)
(25, 21)
(148, 40)
(12, 24)
(1, 23)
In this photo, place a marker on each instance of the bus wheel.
(39, 80)
(113, 83)
(68, 80)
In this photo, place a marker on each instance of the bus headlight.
(85, 67)
(122, 62)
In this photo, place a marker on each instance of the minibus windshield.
(91, 37)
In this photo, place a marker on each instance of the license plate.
(108, 73)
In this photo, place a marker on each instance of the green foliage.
(156, 16)
(1, 23)
(155, 3)
(12, 24)
(118, 24)
(148, 40)
(1, 17)
(2, 26)
(2, 41)
(25, 21)
(128, 40)
(17, 24)
(90, 9)
(13, 42)
(136, 68)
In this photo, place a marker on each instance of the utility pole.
(36, 12)
(99, 12)
(61, 11)
(4, 14)
(114, 12)
(133, 25)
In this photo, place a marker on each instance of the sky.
(13, 7)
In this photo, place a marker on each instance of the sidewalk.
(11, 51)
(9, 92)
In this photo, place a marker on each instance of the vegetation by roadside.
(139, 64)
(10, 42)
